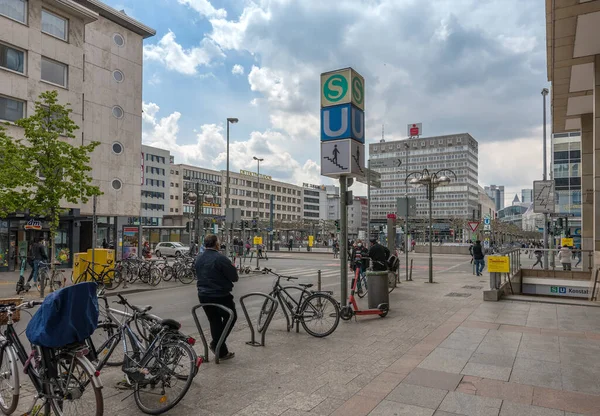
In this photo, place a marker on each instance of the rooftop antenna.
(382, 135)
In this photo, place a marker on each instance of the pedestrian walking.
(471, 251)
(248, 246)
(538, 255)
(104, 243)
(564, 257)
(39, 254)
(478, 257)
(194, 248)
(216, 276)
(291, 244)
(336, 249)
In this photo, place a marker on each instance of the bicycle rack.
(253, 341)
(201, 332)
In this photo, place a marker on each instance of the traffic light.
(559, 223)
(254, 223)
(337, 225)
(187, 227)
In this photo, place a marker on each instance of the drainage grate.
(472, 287)
(458, 295)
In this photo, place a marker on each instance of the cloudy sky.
(474, 66)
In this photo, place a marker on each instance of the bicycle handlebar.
(25, 305)
(279, 275)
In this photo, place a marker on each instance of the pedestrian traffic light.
(337, 225)
(187, 227)
(559, 222)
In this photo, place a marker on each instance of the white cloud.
(237, 70)
(205, 8)
(186, 61)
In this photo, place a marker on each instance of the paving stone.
(492, 359)
(442, 413)
(487, 371)
(541, 379)
(301, 401)
(516, 409)
(356, 406)
(469, 405)
(389, 408)
(446, 359)
(327, 406)
(434, 379)
(417, 395)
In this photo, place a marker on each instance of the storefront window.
(62, 252)
(5, 252)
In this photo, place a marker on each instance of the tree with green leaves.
(12, 177)
(54, 170)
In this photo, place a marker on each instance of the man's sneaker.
(228, 356)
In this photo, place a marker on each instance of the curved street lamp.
(431, 181)
(197, 197)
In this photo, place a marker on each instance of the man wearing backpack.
(479, 257)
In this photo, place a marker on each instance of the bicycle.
(52, 278)
(311, 307)
(109, 279)
(149, 356)
(59, 375)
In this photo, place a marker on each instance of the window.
(11, 110)
(54, 72)
(119, 40)
(117, 111)
(54, 25)
(118, 75)
(12, 59)
(117, 148)
(117, 184)
(14, 9)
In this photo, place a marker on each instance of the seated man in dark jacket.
(216, 276)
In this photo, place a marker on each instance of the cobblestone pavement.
(440, 351)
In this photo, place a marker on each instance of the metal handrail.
(201, 332)
(269, 317)
(594, 295)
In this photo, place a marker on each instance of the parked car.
(171, 248)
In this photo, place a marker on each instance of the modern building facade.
(92, 55)
(357, 217)
(333, 202)
(573, 57)
(314, 199)
(497, 194)
(487, 206)
(526, 195)
(566, 172)
(458, 152)
(155, 185)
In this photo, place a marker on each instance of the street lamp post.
(258, 160)
(545, 175)
(231, 120)
(430, 181)
(198, 198)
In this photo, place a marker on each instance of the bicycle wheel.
(105, 337)
(42, 277)
(9, 380)
(170, 376)
(114, 281)
(266, 309)
(56, 281)
(362, 290)
(78, 395)
(167, 273)
(319, 315)
(155, 277)
(392, 281)
(186, 276)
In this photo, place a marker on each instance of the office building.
(497, 195)
(357, 217)
(566, 172)
(526, 195)
(458, 152)
(314, 202)
(92, 55)
(155, 185)
(487, 206)
(333, 202)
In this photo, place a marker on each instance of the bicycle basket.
(16, 314)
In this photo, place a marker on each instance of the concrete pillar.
(596, 133)
(587, 187)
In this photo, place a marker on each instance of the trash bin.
(277, 246)
(378, 293)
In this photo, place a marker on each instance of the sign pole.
(369, 198)
(344, 241)
(407, 147)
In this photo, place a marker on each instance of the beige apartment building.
(92, 55)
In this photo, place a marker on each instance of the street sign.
(342, 122)
(473, 225)
(486, 243)
(385, 163)
(487, 221)
(370, 176)
(560, 215)
(487, 227)
(343, 158)
(568, 242)
(343, 86)
(401, 206)
(498, 264)
(233, 215)
(415, 129)
(391, 216)
(543, 197)
(257, 240)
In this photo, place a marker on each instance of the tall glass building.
(566, 171)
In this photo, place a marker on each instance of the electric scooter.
(351, 309)
(21, 287)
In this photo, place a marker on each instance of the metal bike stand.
(201, 332)
(269, 317)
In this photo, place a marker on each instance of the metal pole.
(369, 199)
(230, 225)
(406, 145)
(271, 222)
(95, 230)
(430, 195)
(197, 213)
(544, 93)
(258, 212)
(344, 241)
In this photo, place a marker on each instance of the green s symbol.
(335, 88)
(358, 92)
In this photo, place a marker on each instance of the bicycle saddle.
(305, 285)
(171, 324)
(141, 309)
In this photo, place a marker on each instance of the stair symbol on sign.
(337, 164)
(335, 152)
